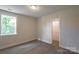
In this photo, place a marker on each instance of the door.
(56, 26)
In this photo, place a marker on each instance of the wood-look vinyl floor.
(35, 47)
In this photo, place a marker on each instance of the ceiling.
(26, 10)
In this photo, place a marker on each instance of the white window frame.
(15, 25)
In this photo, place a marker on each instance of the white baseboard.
(45, 41)
(71, 49)
(14, 44)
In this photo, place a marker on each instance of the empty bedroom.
(39, 29)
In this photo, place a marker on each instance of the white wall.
(69, 36)
(26, 30)
(44, 29)
(69, 28)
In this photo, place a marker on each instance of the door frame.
(56, 19)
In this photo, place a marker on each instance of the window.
(8, 25)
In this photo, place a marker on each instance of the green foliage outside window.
(8, 25)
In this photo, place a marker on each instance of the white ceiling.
(25, 9)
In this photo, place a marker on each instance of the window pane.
(8, 25)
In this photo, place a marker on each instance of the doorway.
(56, 30)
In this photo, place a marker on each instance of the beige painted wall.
(26, 30)
(69, 28)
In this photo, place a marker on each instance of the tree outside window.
(8, 25)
